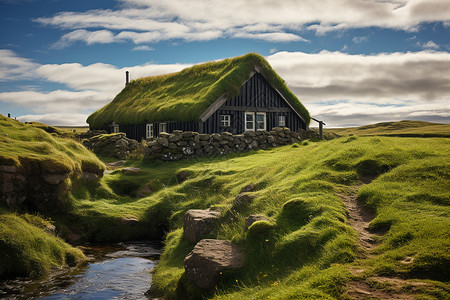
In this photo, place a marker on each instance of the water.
(120, 271)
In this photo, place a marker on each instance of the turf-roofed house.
(234, 95)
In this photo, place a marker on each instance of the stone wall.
(188, 144)
(112, 145)
(37, 189)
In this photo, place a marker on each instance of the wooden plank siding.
(256, 95)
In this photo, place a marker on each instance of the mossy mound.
(26, 249)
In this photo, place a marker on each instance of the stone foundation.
(188, 144)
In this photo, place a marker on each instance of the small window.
(225, 120)
(162, 127)
(149, 131)
(282, 121)
(249, 121)
(260, 121)
(116, 128)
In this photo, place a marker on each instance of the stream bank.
(113, 271)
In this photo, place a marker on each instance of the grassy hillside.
(39, 144)
(185, 95)
(26, 248)
(402, 128)
(308, 249)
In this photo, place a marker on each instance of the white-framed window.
(116, 128)
(162, 127)
(149, 131)
(225, 120)
(260, 121)
(249, 121)
(282, 121)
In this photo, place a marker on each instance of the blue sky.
(351, 62)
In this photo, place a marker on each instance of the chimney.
(127, 77)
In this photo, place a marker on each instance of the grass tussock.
(27, 249)
(185, 95)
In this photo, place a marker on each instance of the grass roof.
(185, 95)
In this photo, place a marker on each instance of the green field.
(308, 249)
(402, 128)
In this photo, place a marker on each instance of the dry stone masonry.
(113, 145)
(35, 187)
(179, 144)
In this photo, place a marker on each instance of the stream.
(119, 271)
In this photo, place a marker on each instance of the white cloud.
(60, 119)
(324, 76)
(143, 48)
(154, 20)
(13, 67)
(340, 88)
(89, 37)
(92, 86)
(429, 45)
(56, 101)
(271, 37)
(360, 39)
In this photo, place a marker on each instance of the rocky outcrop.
(197, 223)
(131, 170)
(209, 258)
(188, 144)
(36, 187)
(254, 218)
(248, 188)
(112, 145)
(243, 200)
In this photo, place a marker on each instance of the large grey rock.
(243, 200)
(248, 188)
(131, 170)
(8, 169)
(197, 223)
(163, 141)
(55, 178)
(116, 163)
(254, 218)
(208, 259)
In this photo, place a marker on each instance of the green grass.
(402, 128)
(307, 247)
(185, 95)
(23, 145)
(305, 250)
(26, 249)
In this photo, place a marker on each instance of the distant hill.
(402, 128)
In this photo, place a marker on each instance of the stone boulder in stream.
(208, 259)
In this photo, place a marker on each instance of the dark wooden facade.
(256, 97)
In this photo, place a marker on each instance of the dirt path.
(359, 218)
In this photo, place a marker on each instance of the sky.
(350, 62)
